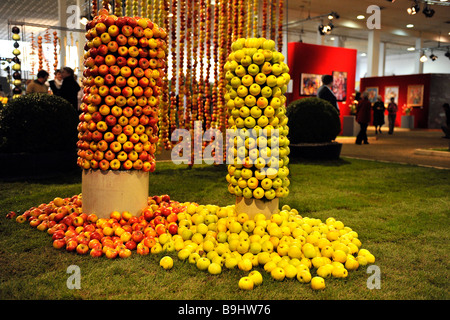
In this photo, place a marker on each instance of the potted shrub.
(38, 134)
(313, 126)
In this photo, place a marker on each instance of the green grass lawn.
(400, 212)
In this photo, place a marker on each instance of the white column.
(382, 59)
(320, 39)
(62, 15)
(418, 66)
(81, 41)
(373, 53)
(339, 41)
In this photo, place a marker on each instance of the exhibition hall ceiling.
(348, 28)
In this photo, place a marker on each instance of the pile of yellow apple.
(257, 79)
(286, 245)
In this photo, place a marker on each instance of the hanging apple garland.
(17, 74)
(181, 68)
(122, 88)
(257, 80)
(280, 25)
(40, 54)
(55, 51)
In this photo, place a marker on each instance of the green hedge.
(38, 123)
(312, 120)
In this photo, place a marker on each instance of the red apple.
(127, 30)
(103, 69)
(121, 81)
(111, 120)
(104, 165)
(82, 248)
(96, 252)
(71, 245)
(59, 243)
(121, 61)
(125, 71)
(133, 51)
(109, 79)
(132, 41)
(110, 60)
(102, 50)
(113, 46)
(121, 40)
(114, 70)
(123, 51)
(115, 91)
(132, 62)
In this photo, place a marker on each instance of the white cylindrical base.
(106, 191)
(253, 206)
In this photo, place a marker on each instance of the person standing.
(446, 126)
(326, 91)
(39, 85)
(70, 87)
(363, 118)
(55, 85)
(392, 114)
(378, 114)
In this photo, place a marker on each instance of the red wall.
(402, 82)
(317, 59)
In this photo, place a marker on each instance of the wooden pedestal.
(253, 206)
(107, 191)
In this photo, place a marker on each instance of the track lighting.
(433, 57)
(414, 9)
(423, 57)
(325, 29)
(428, 12)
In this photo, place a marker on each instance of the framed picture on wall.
(390, 92)
(310, 83)
(340, 85)
(415, 95)
(373, 93)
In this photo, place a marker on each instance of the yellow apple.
(317, 283)
(246, 283)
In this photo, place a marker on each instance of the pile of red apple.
(124, 60)
(118, 235)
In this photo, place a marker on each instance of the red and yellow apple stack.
(124, 61)
(257, 79)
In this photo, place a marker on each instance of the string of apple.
(17, 75)
(32, 53)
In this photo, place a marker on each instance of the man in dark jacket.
(326, 91)
(363, 118)
(70, 87)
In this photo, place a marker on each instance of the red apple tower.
(124, 66)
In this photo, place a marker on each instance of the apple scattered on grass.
(287, 246)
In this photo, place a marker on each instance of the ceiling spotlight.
(84, 20)
(447, 54)
(423, 57)
(333, 15)
(325, 29)
(428, 12)
(414, 9)
(360, 17)
(433, 57)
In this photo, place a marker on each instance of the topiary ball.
(312, 120)
(38, 123)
